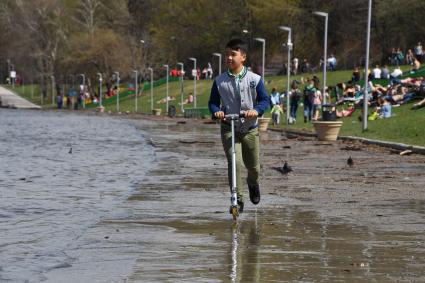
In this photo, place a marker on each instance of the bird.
(350, 161)
(285, 169)
(70, 150)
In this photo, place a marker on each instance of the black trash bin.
(171, 111)
(328, 112)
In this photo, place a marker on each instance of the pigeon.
(285, 169)
(350, 161)
(70, 150)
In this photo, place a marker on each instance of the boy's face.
(234, 58)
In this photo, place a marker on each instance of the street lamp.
(325, 49)
(142, 43)
(53, 89)
(136, 90)
(259, 39)
(151, 71)
(100, 88)
(166, 97)
(195, 73)
(181, 84)
(84, 88)
(219, 61)
(288, 69)
(366, 83)
(117, 74)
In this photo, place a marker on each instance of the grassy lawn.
(407, 126)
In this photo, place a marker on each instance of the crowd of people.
(387, 89)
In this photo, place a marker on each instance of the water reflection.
(234, 252)
(245, 245)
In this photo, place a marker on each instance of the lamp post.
(151, 71)
(100, 88)
(166, 97)
(325, 51)
(219, 61)
(262, 40)
(194, 79)
(142, 43)
(181, 84)
(288, 69)
(117, 74)
(53, 89)
(84, 88)
(136, 89)
(366, 83)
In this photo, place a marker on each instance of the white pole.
(262, 40)
(288, 70)
(325, 59)
(166, 97)
(181, 85)
(325, 51)
(53, 90)
(136, 90)
(366, 91)
(288, 73)
(151, 71)
(194, 80)
(84, 88)
(100, 89)
(118, 91)
(219, 61)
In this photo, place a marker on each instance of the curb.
(392, 145)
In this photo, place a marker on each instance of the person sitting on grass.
(384, 109)
(346, 112)
(416, 66)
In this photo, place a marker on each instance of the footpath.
(9, 99)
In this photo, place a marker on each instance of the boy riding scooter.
(233, 92)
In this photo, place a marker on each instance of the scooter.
(233, 196)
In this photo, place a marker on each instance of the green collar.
(240, 75)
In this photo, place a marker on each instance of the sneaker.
(254, 193)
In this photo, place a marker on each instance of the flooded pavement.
(167, 218)
(60, 174)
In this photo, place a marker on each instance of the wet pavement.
(168, 219)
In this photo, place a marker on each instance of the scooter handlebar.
(234, 116)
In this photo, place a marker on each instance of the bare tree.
(86, 14)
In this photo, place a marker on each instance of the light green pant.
(247, 149)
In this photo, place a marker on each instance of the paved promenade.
(10, 99)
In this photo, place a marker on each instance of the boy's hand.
(219, 115)
(251, 113)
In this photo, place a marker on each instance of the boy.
(232, 92)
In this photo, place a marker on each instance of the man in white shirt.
(396, 73)
(377, 72)
(332, 63)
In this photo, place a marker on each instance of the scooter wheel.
(234, 212)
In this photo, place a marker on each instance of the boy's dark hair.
(237, 44)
